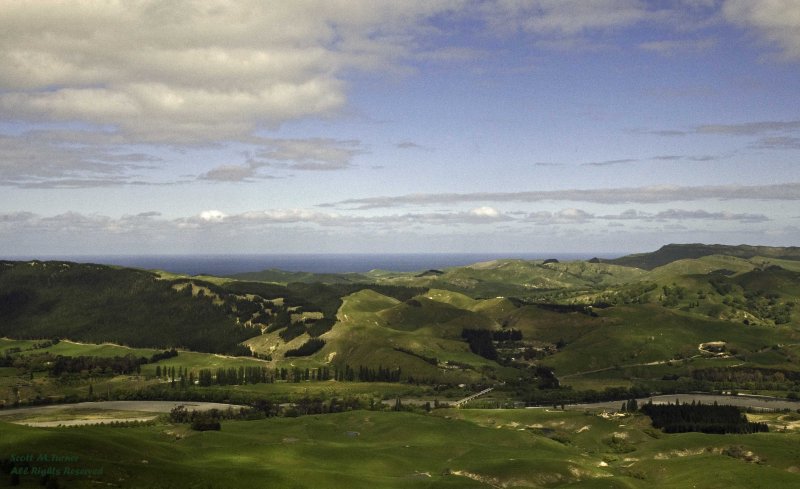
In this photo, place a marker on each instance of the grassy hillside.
(685, 318)
(596, 325)
(673, 252)
(652, 332)
(96, 303)
(642, 335)
(446, 449)
(419, 339)
(283, 277)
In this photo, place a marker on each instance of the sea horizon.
(230, 264)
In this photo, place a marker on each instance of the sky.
(364, 126)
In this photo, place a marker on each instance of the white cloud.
(610, 162)
(82, 159)
(289, 216)
(183, 71)
(773, 135)
(575, 215)
(777, 21)
(230, 173)
(563, 18)
(212, 216)
(257, 221)
(564, 216)
(671, 47)
(750, 128)
(68, 159)
(313, 154)
(290, 230)
(678, 214)
(651, 194)
(485, 212)
(779, 142)
(196, 71)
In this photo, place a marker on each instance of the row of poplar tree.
(260, 375)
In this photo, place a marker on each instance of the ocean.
(223, 265)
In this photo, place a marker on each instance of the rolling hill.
(596, 324)
(673, 252)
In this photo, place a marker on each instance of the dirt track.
(80, 422)
(144, 406)
(73, 418)
(755, 402)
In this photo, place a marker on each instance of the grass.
(331, 389)
(196, 361)
(448, 448)
(651, 333)
(74, 349)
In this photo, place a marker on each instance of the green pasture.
(447, 448)
(73, 349)
(196, 361)
(638, 335)
(330, 389)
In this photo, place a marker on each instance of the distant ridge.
(673, 252)
(282, 276)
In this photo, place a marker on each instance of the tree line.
(482, 341)
(704, 418)
(57, 365)
(256, 375)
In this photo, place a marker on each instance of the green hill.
(284, 277)
(673, 252)
(599, 324)
(419, 336)
(687, 318)
(97, 303)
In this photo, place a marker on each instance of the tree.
(480, 342)
(179, 414)
(205, 421)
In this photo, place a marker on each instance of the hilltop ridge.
(673, 252)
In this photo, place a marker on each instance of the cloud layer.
(641, 195)
(186, 73)
(209, 71)
(77, 226)
(777, 21)
(194, 71)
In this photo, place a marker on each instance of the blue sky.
(362, 126)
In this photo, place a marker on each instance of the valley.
(337, 363)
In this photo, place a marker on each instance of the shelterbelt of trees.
(705, 418)
(57, 365)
